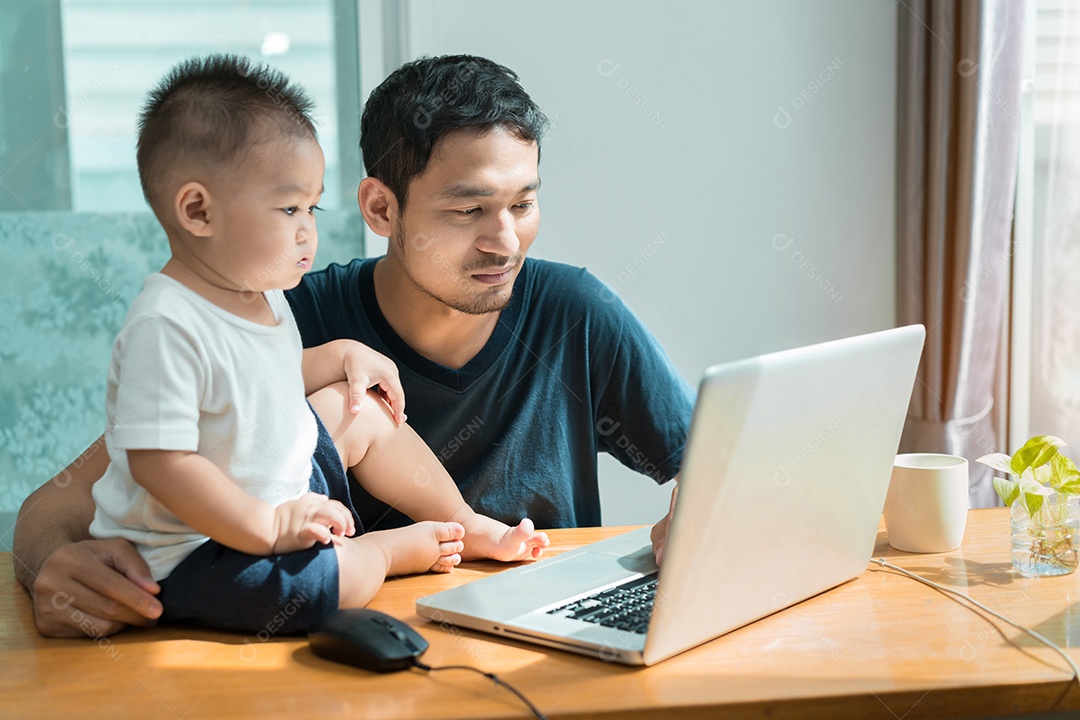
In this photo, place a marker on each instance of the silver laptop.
(782, 486)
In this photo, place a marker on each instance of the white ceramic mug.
(926, 508)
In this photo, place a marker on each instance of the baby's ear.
(192, 208)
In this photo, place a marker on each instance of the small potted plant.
(1042, 491)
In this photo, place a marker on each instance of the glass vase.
(1047, 543)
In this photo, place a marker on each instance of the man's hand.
(94, 588)
(309, 519)
(659, 531)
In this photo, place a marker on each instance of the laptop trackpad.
(576, 573)
(588, 570)
(633, 550)
(642, 561)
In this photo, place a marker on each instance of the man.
(517, 372)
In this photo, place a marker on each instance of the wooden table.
(881, 646)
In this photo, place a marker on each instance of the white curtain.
(1055, 362)
(960, 67)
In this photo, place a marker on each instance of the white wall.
(728, 167)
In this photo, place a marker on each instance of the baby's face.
(266, 238)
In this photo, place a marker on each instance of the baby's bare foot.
(520, 543)
(424, 546)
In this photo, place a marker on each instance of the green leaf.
(1070, 486)
(998, 461)
(1007, 490)
(1036, 452)
(1032, 503)
(1065, 478)
(1042, 475)
(1032, 495)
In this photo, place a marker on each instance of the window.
(77, 237)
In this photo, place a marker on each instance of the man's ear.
(194, 209)
(378, 205)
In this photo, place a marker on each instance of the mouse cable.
(941, 588)
(491, 676)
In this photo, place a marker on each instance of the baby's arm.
(363, 367)
(195, 490)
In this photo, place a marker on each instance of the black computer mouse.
(367, 639)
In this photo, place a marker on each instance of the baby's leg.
(395, 465)
(391, 462)
(364, 562)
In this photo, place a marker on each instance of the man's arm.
(80, 586)
(645, 401)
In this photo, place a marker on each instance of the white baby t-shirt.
(189, 375)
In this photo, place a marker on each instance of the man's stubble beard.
(472, 305)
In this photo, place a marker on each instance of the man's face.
(469, 220)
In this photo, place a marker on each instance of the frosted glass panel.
(71, 277)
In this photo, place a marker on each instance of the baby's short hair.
(211, 110)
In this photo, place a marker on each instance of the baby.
(232, 489)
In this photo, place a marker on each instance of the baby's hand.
(522, 542)
(309, 519)
(366, 368)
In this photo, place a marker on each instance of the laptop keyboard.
(623, 607)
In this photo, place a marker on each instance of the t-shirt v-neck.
(460, 379)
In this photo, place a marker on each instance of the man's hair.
(426, 99)
(211, 111)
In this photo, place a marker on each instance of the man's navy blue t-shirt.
(568, 372)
